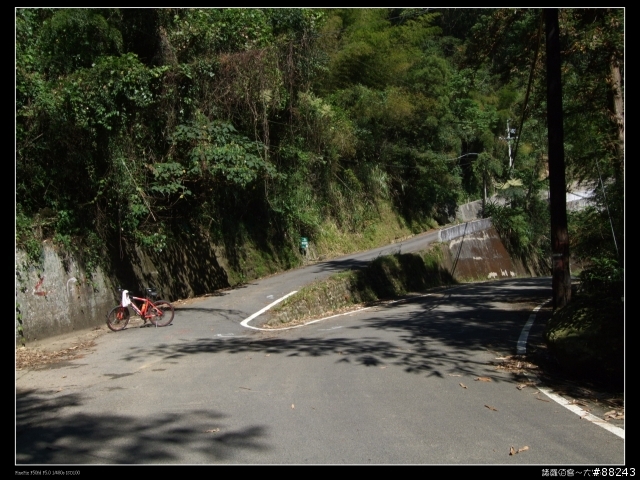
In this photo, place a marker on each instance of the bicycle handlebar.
(150, 291)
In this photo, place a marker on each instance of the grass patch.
(388, 227)
(384, 278)
(254, 262)
(382, 227)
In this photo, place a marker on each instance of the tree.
(561, 275)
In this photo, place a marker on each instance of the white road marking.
(583, 414)
(245, 322)
(522, 341)
(521, 350)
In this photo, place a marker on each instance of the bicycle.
(159, 313)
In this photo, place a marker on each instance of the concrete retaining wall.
(469, 211)
(468, 252)
(457, 231)
(58, 297)
(479, 254)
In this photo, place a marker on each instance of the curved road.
(411, 382)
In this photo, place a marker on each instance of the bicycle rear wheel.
(118, 318)
(161, 313)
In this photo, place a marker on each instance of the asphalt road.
(412, 382)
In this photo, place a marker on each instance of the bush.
(604, 277)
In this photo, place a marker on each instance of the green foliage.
(591, 234)
(203, 32)
(587, 339)
(73, 38)
(512, 224)
(384, 278)
(216, 149)
(19, 324)
(26, 238)
(486, 169)
(522, 220)
(603, 278)
(136, 125)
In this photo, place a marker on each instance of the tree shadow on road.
(44, 435)
(447, 332)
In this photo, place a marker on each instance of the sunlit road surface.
(410, 382)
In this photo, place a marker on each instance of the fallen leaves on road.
(454, 375)
(513, 451)
(213, 430)
(483, 379)
(491, 408)
(542, 399)
(514, 363)
(32, 358)
(520, 386)
(293, 406)
(463, 385)
(613, 414)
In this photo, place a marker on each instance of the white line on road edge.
(245, 322)
(583, 414)
(522, 341)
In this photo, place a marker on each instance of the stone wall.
(58, 297)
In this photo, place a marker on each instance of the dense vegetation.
(139, 126)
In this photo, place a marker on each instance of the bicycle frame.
(159, 312)
(145, 305)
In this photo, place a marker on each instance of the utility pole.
(561, 275)
(484, 197)
(508, 139)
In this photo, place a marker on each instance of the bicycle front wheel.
(161, 313)
(118, 318)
